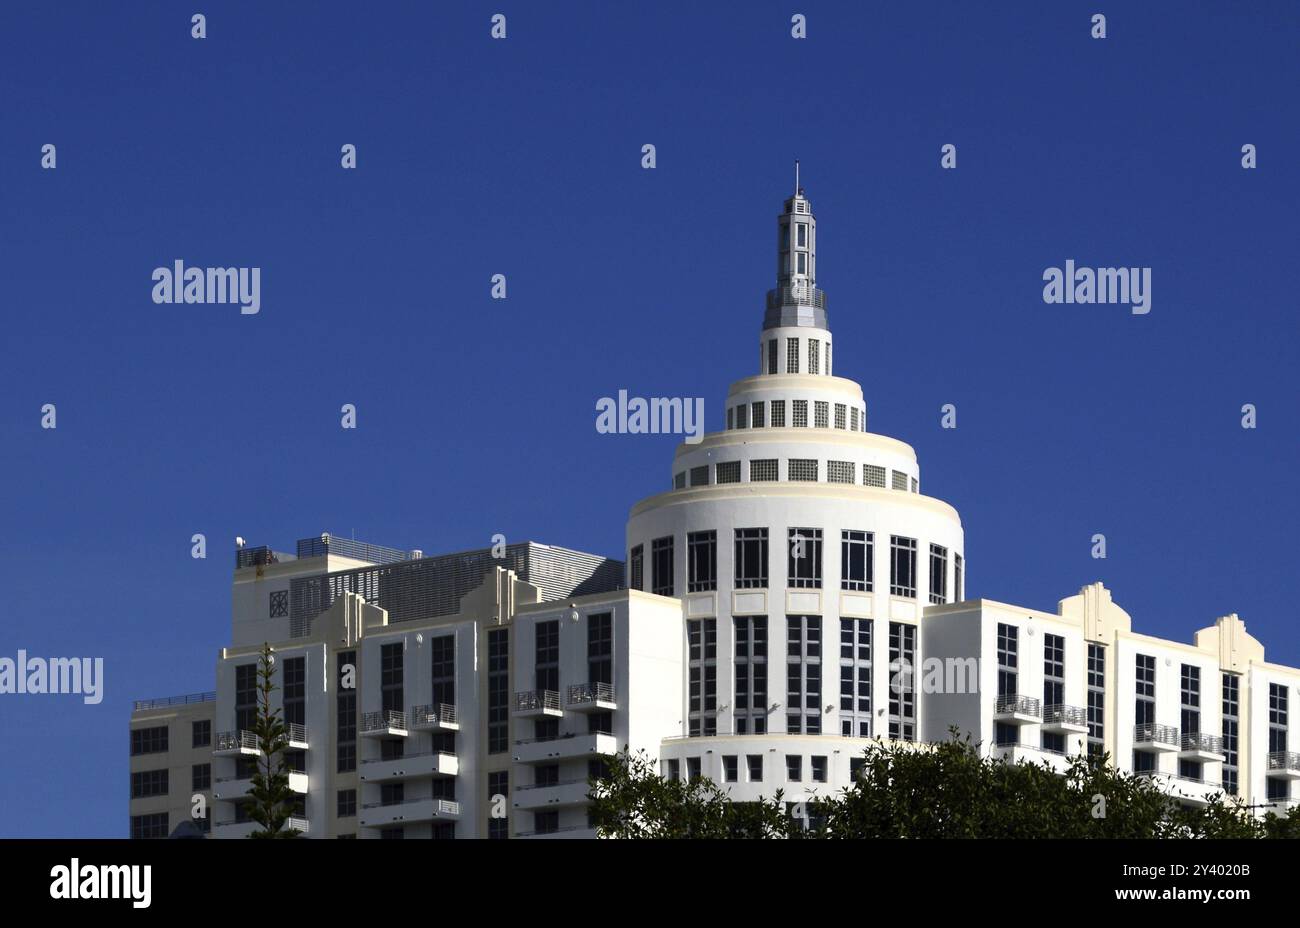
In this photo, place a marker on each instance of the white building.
(791, 598)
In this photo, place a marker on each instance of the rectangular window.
(751, 558)
(899, 480)
(150, 826)
(819, 768)
(294, 683)
(853, 419)
(392, 674)
(799, 410)
(1053, 686)
(805, 565)
(957, 570)
(692, 768)
(873, 475)
(755, 764)
(1096, 699)
(702, 561)
(731, 418)
(442, 662)
(839, 415)
(200, 777)
(345, 707)
(793, 768)
(546, 656)
(702, 688)
(902, 689)
(498, 690)
(757, 414)
(1277, 718)
(742, 416)
(855, 678)
(346, 803)
(1008, 660)
(803, 669)
(1144, 710)
(498, 785)
(856, 560)
(148, 783)
(915, 485)
(201, 733)
(802, 238)
(814, 356)
(771, 355)
(636, 565)
(1231, 733)
(792, 355)
(730, 768)
(679, 481)
(700, 476)
(821, 414)
(763, 470)
(727, 472)
(803, 469)
(661, 563)
(600, 648)
(149, 740)
(840, 472)
(778, 414)
(245, 697)
(902, 566)
(938, 575)
(750, 704)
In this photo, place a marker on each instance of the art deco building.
(792, 597)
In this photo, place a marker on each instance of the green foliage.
(945, 790)
(271, 799)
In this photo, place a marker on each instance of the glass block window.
(915, 485)
(727, 472)
(814, 356)
(700, 476)
(792, 355)
(821, 414)
(742, 416)
(757, 417)
(840, 412)
(803, 469)
(764, 469)
(900, 481)
(731, 418)
(828, 359)
(771, 356)
(800, 413)
(840, 472)
(873, 476)
(679, 481)
(778, 414)
(853, 419)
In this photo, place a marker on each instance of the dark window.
(245, 697)
(280, 604)
(498, 785)
(702, 561)
(702, 683)
(1144, 709)
(805, 558)
(819, 768)
(957, 577)
(902, 688)
(1008, 660)
(803, 674)
(149, 740)
(855, 560)
(938, 575)
(730, 768)
(150, 826)
(755, 764)
(1231, 732)
(636, 568)
(148, 783)
(1096, 699)
(1053, 686)
(346, 707)
(201, 733)
(751, 558)
(855, 678)
(443, 668)
(347, 803)
(498, 690)
(546, 666)
(600, 648)
(902, 566)
(661, 564)
(751, 675)
(1277, 718)
(200, 777)
(771, 356)
(392, 676)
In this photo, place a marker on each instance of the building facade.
(792, 598)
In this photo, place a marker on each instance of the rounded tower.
(803, 553)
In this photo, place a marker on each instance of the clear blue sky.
(522, 157)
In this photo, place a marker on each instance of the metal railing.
(1062, 714)
(1198, 741)
(551, 831)
(185, 700)
(1023, 705)
(444, 806)
(296, 823)
(583, 693)
(349, 547)
(537, 700)
(1148, 732)
(408, 756)
(296, 732)
(259, 556)
(448, 807)
(236, 740)
(1284, 760)
(789, 296)
(443, 713)
(379, 721)
(520, 789)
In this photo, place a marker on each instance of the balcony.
(550, 750)
(1029, 754)
(386, 724)
(378, 815)
(552, 795)
(1017, 710)
(236, 744)
(568, 831)
(229, 789)
(297, 735)
(427, 764)
(1065, 720)
(1284, 765)
(438, 717)
(1201, 747)
(538, 704)
(1183, 789)
(246, 829)
(1159, 739)
(592, 697)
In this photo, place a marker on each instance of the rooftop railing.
(790, 296)
(349, 547)
(259, 556)
(162, 703)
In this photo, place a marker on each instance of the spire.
(796, 299)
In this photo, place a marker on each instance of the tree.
(944, 790)
(272, 800)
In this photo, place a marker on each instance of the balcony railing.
(528, 786)
(586, 693)
(1061, 714)
(1284, 760)
(1020, 705)
(295, 823)
(435, 714)
(296, 733)
(444, 806)
(185, 700)
(551, 831)
(537, 701)
(380, 721)
(236, 740)
(789, 296)
(1199, 741)
(1148, 732)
